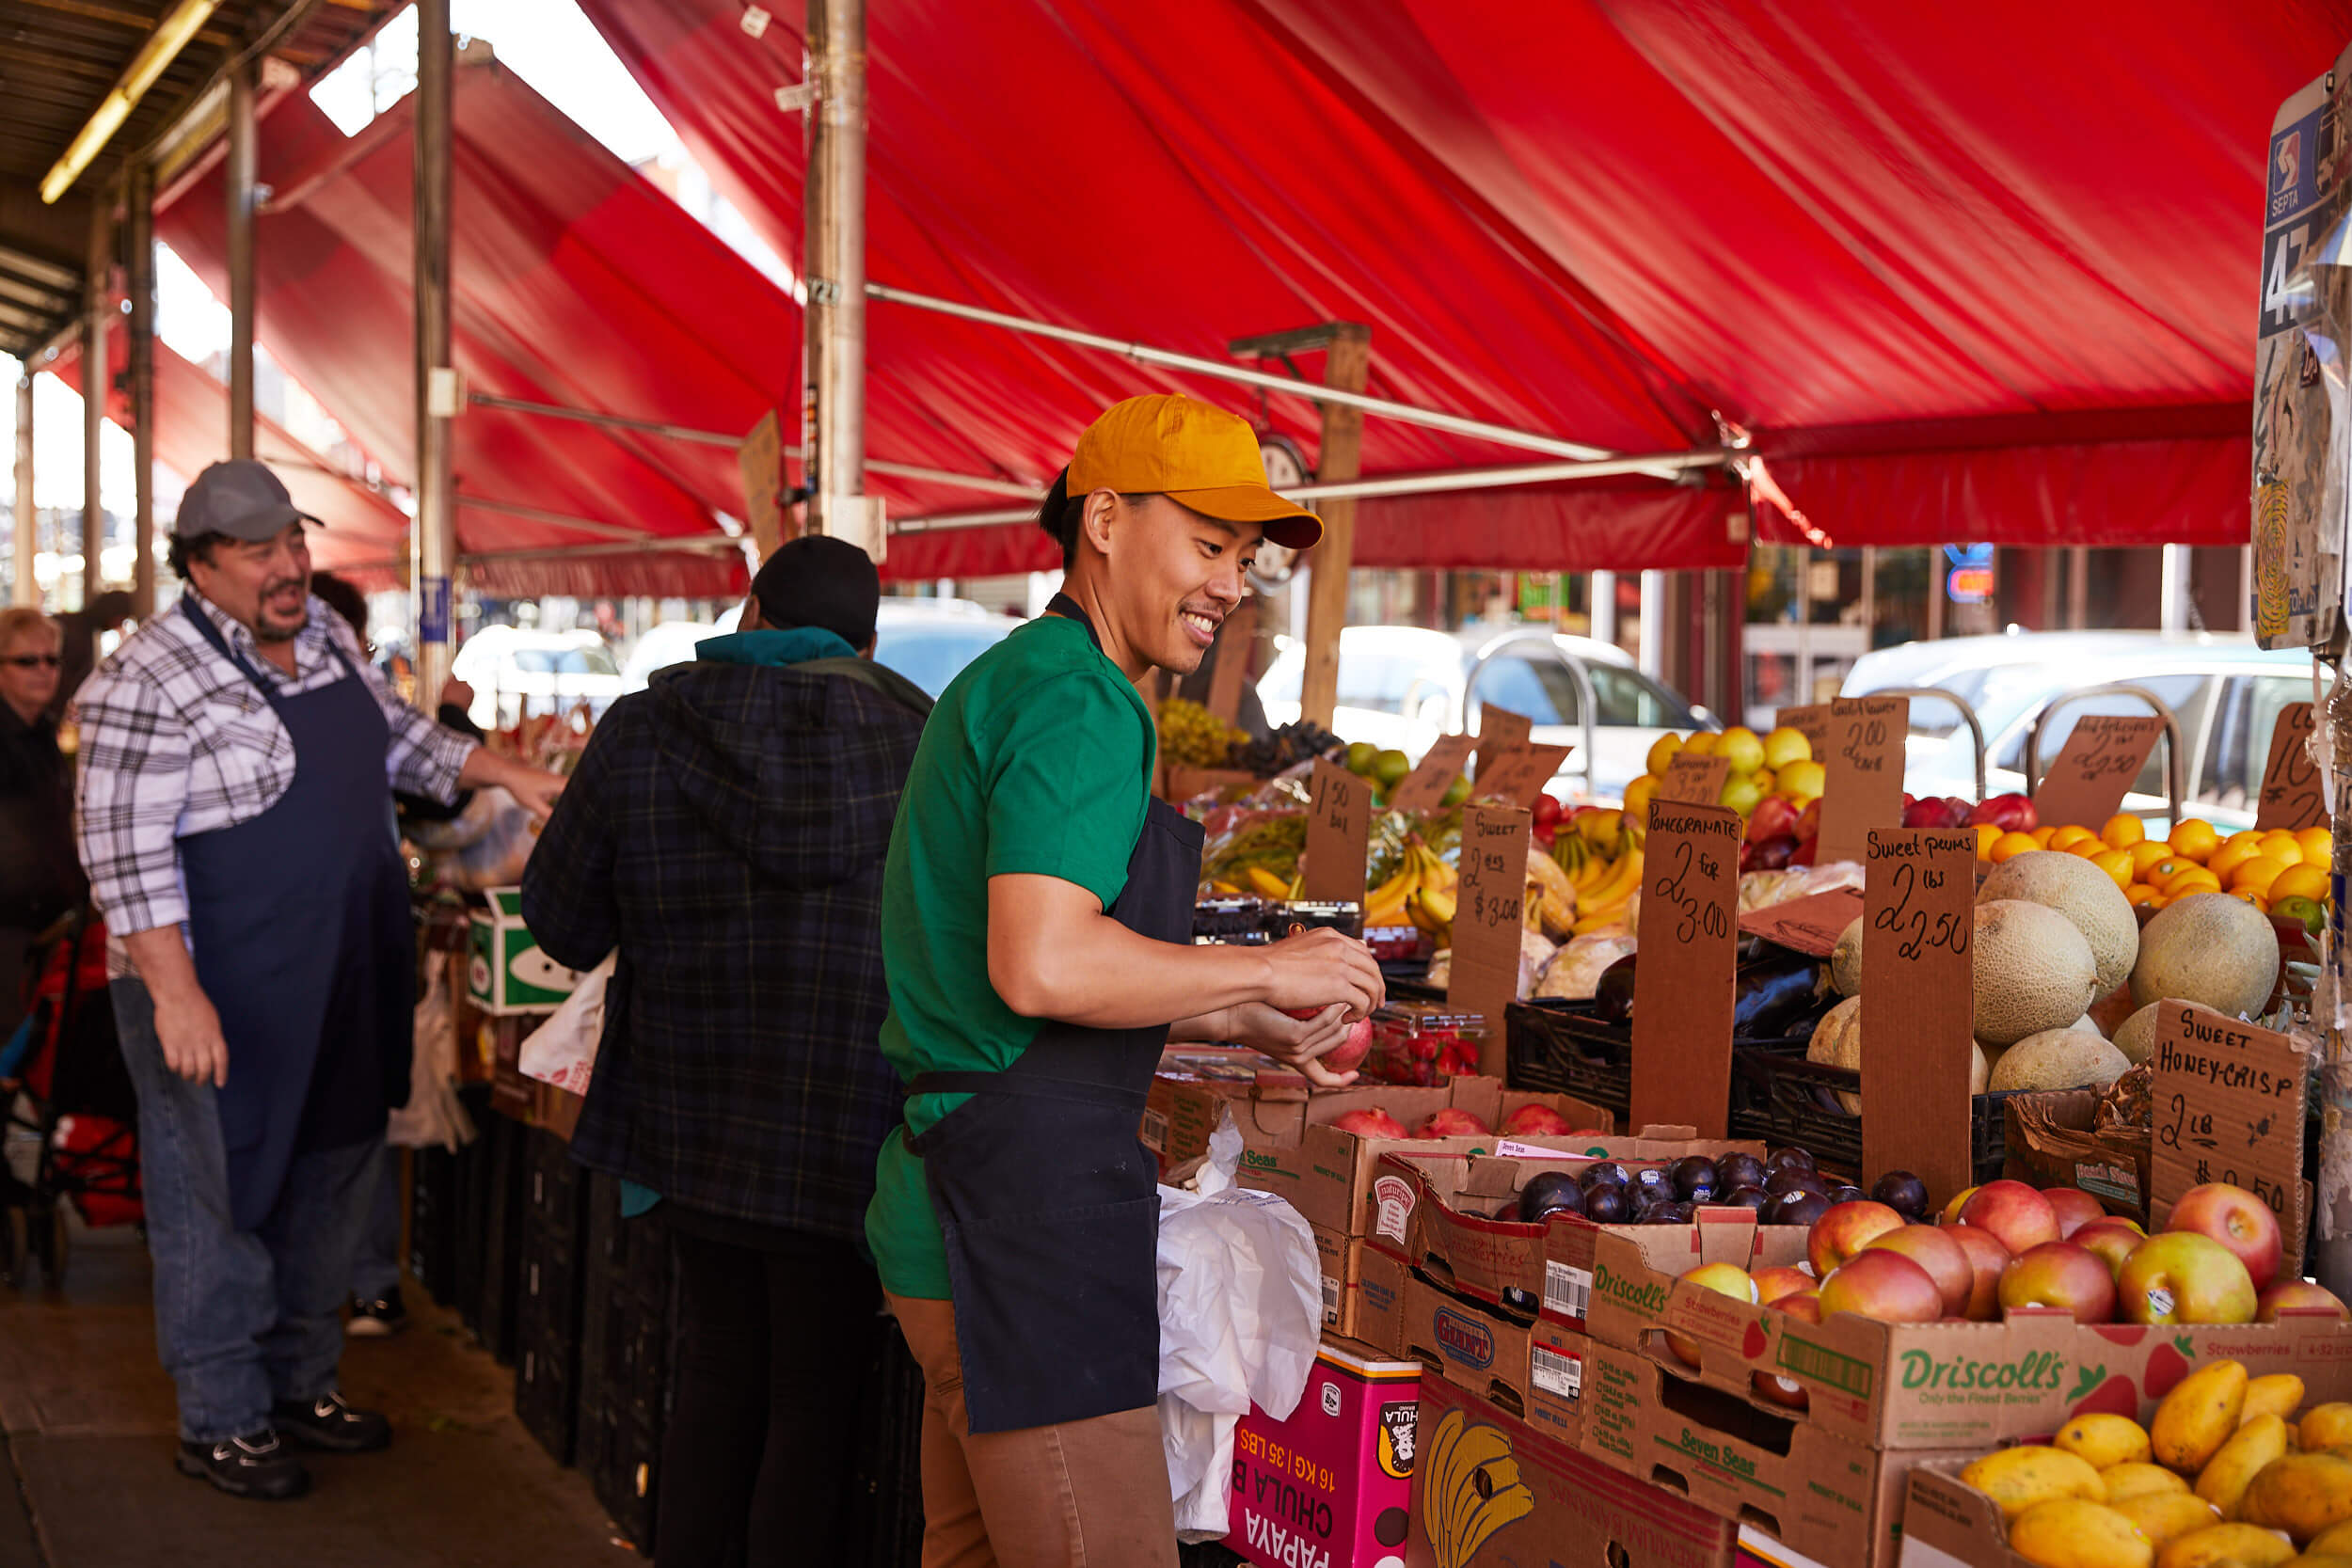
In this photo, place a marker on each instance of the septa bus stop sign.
(1970, 580)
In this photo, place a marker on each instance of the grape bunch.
(1284, 749)
(1192, 736)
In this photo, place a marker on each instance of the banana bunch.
(1472, 1488)
(1419, 894)
(1604, 892)
(1552, 897)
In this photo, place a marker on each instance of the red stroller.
(76, 1097)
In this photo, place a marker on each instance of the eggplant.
(1771, 997)
(1613, 994)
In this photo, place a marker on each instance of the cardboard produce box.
(1547, 1504)
(1187, 1098)
(2050, 1132)
(1497, 1357)
(1333, 1485)
(506, 971)
(1837, 1502)
(1945, 1522)
(1383, 1279)
(1341, 1260)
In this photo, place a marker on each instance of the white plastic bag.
(434, 1117)
(1240, 1318)
(562, 1051)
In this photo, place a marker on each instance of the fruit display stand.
(2053, 1135)
(1780, 1098)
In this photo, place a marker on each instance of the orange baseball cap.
(1193, 454)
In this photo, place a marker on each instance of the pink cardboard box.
(1332, 1487)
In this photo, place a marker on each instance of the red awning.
(1864, 234)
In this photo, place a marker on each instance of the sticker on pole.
(433, 611)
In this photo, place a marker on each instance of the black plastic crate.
(1783, 1099)
(433, 1223)
(626, 1474)
(497, 1204)
(887, 1481)
(545, 1378)
(1559, 1047)
(558, 1188)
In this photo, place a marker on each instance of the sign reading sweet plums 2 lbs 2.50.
(1918, 1007)
(1682, 988)
(2227, 1106)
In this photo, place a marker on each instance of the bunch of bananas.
(1471, 1488)
(1193, 736)
(1419, 894)
(1605, 891)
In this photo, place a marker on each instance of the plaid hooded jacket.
(726, 829)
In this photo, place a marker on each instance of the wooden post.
(139, 273)
(1345, 366)
(97, 301)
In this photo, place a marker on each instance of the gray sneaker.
(256, 1465)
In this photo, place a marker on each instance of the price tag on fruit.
(1500, 729)
(1516, 777)
(1917, 1047)
(1489, 913)
(1811, 722)
(1863, 773)
(1423, 790)
(2095, 768)
(1682, 987)
(2227, 1105)
(1339, 828)
(2292, 798)
(1695, 781)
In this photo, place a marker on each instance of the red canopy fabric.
(1866, 234)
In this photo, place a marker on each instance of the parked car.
(1402, 687)
(926, 640)
(2224, 693)
(515, 671)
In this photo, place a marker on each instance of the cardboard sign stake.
(2095, 768)
(2228, 1101)
(1499, 729)
(1339, 829)
(1863, 773)
(1695, 780)
(1682, 988)
(1516, 775)
(2292, 797)
(1811, 722)
(1424, 789)
(1488, 916)
(1918, 1007)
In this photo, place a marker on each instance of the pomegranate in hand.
(1349, 1054)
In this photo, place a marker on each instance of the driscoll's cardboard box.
(1491, 1492)
(1497, 1357)
(1333, 1485)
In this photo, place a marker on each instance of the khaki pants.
(1091, 1494)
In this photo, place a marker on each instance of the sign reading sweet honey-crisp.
(2226, 1102)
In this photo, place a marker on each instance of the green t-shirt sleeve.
(1067, 784)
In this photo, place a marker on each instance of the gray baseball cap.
(241, 499)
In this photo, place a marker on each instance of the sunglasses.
(31, 661)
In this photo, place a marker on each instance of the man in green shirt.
(1035, 926)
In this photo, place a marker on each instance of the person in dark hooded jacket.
(726, 832)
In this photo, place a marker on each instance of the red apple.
(1805, 1306)
(1845, 1230)
(1780, 1280)
(2020, 1217)
(1776, 853)
(1453, 1123)
(1987, 1257)
(1532, 1121)
(1372, 1123)
(1942, 1259)
(2184, 1277)
(2011, 813)
(2296, 1295)
(2059, 1274)
(1350, 1052)
(2238, 1220)
(2075, 1208)
(1725, 1279)
(1933, 811)
(1884, 1285)
(1773, 818)
(2112, 1239)
(1809, 822)
(1951, 1211)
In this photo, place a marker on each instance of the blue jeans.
(376, 1262)
(242, 1318)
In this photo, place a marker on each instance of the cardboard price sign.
(759, 460)
(1339, 828)
(1499, 729)
(1695, 781)
(1422, 790)
(2292, 798)
(1682, 988)
(1863, 769)
(1488, 916)
(1810, 926)
(1517, 776)
(1811, 722)
(2095, 768)
(2228, 1101)
(1918, 1007)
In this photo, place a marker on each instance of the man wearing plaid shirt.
(238, 757)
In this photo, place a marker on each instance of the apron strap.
(1024, 1087)
(1063, 605)
(210, 633)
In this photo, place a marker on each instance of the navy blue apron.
(1047, 1199)
(298, 920)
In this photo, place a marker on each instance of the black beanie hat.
(817, 580)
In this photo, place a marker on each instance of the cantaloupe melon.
(1837, 1042)
(2060, 1059)
(2211, 949)
(1845, 960)
(2033, 970)
(2136, 1037)
(2084, 894)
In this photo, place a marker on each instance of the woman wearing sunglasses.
(39, 875)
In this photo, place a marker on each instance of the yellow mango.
(2165, 1516)
(2139, 1479)
(2226, 1546)
(2278, 1394)
(2302, 1493)
(2317, 1559)
(2325, 1426)
(2249, 1450)
(2067, 1532)
(2335, 1541)
(2198, 1417)
(2019, 1477)
(2103, 1441)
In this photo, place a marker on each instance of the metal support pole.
(28, 586)
(239, 177)
(1935, 594)
(834, 433)
(1603, 587)
(98, 287)
(1653, 653)
(1870, 596)
(139, 277)
(437, 392)
(2172, 598)
(1346, 364)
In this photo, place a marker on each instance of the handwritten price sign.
(1811, 722)
(1424, 789)
(1518, 775)
(2292, 797)
(2095, 768)
(1489, 912)
(1682, 988)
(1695, 780)
(1919, 998)
(1339, 826)
(1499, 729)
(1863, 771)
(2228, 1107)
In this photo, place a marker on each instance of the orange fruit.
(2041, 836)
(2194, 879)
(2157, 901)
(2253, 897)
(2318, 846)
(2068, 836)
(2164, 868)
(2091, 848)
(2282, 845)
(2116, 863)
(2245, 835)
(2255, 875)
(2140, 893)
(2195, 838)
(2299, 881)
(2155, 851)
(2122, 831)
(2010, 845)
(1987, 837)
(2233, 853)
